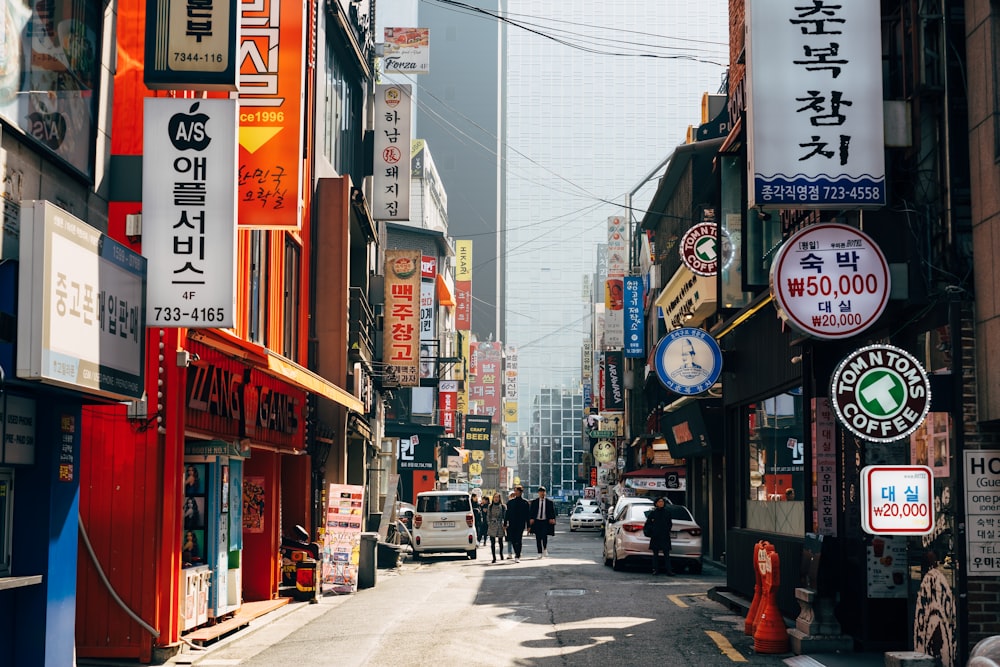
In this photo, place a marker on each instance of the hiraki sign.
(880, 393)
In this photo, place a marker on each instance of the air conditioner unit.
(133, 225)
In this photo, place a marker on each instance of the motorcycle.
(299, 558)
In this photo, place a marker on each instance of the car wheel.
(617, 565)
(471, 554)
(695, 567)
(417, 555)
(572, 530)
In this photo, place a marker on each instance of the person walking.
(510, 545)
(657, 529)
(478, 519)
(484, 505)
(542, 521)
(496, 519)
(518, 514)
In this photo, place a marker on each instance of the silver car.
(624, 542)
(586, 517)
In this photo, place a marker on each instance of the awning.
(275, 364)
(444, 293)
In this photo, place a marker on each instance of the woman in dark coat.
(657, 529)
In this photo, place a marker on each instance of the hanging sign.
(897, 500)
(699, 249)
(688, 361)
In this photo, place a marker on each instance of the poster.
(886, 558)
(342, 538)
(253, 504)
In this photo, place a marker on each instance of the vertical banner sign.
(614, 299)
(447, 403)
(426, 310)
(463, 285)
(485, 387)
(614, 387)
(814, 104)
(982, 511)
(191, 45)
(342, 539)
(510, 385)
(635, 326)
(407, 51)
(391, 178)
(189, 212)
(824, 466)
(401, 347)
(272, 84)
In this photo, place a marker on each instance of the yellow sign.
(475, 469)
(478, 455)
(463, 260)
(510, 411)
(604, 451)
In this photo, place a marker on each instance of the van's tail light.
(695, 532)
(469, 519)
(417, 520)
(632, 527)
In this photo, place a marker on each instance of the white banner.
(189, 169)
(391, 190)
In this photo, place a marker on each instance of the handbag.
(647, 529)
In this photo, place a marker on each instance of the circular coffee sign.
(700, 249)
(830, 281)
(687, 361)
(880, 393)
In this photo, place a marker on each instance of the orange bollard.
(770, 634)
(755, 605)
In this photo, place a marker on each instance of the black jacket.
(657, 528)
(550, 513)
(517, 515)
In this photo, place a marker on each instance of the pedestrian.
(657, 529)
(496, 519)
(518, 513)
(510, 544)
(542, 521)
(478, 520)
(484, 505)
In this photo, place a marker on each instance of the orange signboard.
(272, 77)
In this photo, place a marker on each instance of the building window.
(291, 308)
(257, 306)
(341, 107)
(776, 485)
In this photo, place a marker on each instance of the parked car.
(624, 542)
(444, 522)
(586, 517)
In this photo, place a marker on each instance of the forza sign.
(880, 393)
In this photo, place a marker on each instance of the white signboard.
(814, 104)
(189, 187)
(391, 177)
(897, 500)
(407, 50)
(830, 281)
(982, 511)
(81, 306)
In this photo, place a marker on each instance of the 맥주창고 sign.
(830, 281)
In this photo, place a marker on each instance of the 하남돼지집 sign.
(897, 500)
(830, 281)
(688, 361)
(880, 393)
(699, 249)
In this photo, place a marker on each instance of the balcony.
(361, 331)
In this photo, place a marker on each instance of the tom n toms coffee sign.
(700, 249)
(880, 393)
(830, 281)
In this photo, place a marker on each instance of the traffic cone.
(770, 635)
(755, 605)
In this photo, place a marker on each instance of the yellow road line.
(724, 646)
(676, 599)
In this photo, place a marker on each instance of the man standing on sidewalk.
(517, 521)
(542, 521)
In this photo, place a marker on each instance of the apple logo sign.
(48, 128)
(187, 130)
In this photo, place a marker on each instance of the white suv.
(444, 522)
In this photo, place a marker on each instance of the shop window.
(6, 519)
(776, 466)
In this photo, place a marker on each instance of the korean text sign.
(982, 510)
(401, 351)
(897, 500)
(189, 211)
(272, 75)
(814, 110)
(391, 178)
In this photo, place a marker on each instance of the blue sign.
(635, 339)
(688, 361)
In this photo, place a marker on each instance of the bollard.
(755, 605)
(770, 634)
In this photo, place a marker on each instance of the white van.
(444, 522)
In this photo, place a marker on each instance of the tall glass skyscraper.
(592, 105)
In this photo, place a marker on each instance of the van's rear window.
(443, 504)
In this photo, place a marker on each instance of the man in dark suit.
(542, 521)
(518, 514)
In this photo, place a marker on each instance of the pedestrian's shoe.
(655, 572)
(501, 556)
(516, 559)
(545, 553)
(494, 560)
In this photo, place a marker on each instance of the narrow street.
(566, 609)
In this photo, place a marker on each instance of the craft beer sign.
(880, 393)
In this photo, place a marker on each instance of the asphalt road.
(565, 610)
